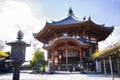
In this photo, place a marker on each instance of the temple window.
(71, 53)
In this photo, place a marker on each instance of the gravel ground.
(26, 75)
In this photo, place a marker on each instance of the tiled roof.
(71, 19)
(68, 20)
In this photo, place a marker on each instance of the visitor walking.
(70, 68)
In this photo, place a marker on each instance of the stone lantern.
(17, 56)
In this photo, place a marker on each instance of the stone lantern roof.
(20, 35)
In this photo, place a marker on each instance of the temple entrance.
(66, 57)
(65, 53)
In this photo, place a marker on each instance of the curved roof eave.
(111, 28)
(62, 39)
(86, 22)
(42, 31)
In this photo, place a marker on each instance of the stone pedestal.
(16, 72)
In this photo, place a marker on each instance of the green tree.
(38, 59)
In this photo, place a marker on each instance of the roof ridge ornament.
(89, 18)
(84, 18)
(70, 12)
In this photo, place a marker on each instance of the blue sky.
(30, 16)
(102, 11)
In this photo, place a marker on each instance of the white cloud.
(16, 15)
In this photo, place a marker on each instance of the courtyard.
(85, 40)
(59, 75)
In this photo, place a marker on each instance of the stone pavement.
(25, 75)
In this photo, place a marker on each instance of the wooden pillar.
(90, 51)
(48, 54)
(84, 54)
(66, 53)
(111, 68)
(53, 56)
(104, 67)
(96, 40)
(90, 48)
(81, 54)
(96, 45)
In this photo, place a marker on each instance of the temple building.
(71, 40)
